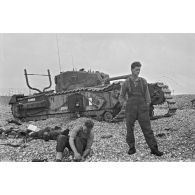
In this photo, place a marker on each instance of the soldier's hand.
(124, 104)
(83, 158)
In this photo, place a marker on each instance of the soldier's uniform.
(137, 108)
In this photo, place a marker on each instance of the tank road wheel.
(99, 118)
(108, 116)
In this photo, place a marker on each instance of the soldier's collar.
(132, 78)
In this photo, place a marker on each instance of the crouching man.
(79, 140)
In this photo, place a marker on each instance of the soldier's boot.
(156, 152)
(132, 151)
(59, 156)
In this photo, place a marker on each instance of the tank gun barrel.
(117, 78)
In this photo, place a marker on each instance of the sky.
(167, 58)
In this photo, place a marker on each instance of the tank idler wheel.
(108, 116)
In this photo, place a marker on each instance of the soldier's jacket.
(126, 89)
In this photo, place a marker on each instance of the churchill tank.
(84, 94)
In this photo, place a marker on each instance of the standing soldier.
(137, 108)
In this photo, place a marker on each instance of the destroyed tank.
(83, 94)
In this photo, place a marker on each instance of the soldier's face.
(136, 71)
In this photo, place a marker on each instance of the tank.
(83, 94)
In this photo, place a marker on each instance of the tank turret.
(78, 79)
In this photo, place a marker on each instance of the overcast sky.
(167, 58)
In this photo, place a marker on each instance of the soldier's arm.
(147, 94)
(89, 144)
(72, 137)
(122, 96)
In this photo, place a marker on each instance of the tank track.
(168, 99)
(88, 89)
(171, 103)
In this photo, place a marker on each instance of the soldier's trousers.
(63, 142)
(137, 109)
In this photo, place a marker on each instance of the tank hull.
(101, 103)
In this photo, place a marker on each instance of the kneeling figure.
(79, 140)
